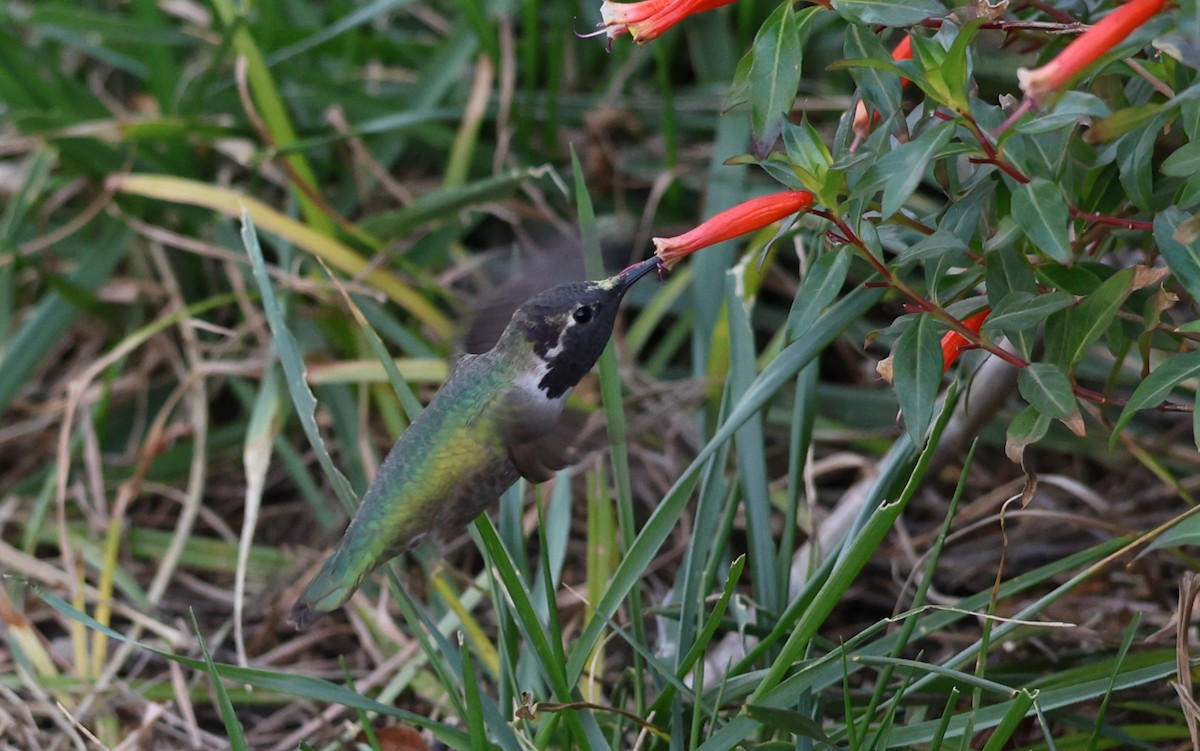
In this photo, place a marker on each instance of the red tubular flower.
(745, 217)
(862, 121)
(648, 19)
(954, 343)
(1087, 48)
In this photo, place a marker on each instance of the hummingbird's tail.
(328, 591)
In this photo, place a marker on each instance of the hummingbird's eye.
(582, 314)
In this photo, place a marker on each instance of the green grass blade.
(851, 561)
(614, 406)
(233, 728)
(1017, 710)
(658, 527)
(548, 658)
(474, 717)
(1130, 633)
(292, 363)
(752, 460)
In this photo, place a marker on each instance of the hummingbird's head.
(568, 326)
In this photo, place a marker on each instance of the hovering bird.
(490, 424)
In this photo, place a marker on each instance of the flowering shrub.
(1065, 216)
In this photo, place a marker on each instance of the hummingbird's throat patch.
(561, 348)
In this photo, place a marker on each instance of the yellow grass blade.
(230, 203)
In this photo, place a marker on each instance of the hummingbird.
(490, 424)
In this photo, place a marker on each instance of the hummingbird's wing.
(538, 460)
(538, 436)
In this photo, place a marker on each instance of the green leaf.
(1135, 156)
(1071, 107)
(903, 168)
(956, 67)
(809, 160)
(1157, 386)
(888, 12)
(1121, 122)
(1186, 532)
(1046, 387)
(1196, 419)
(929, 58)
(933, 247)
(917, 374)
(1087, 322)
(1075, 280)
(775, 75)
(1185, 162)
(361, 15)
(546, 648)
(1027, 428)
(1020, 311)
(739, 85)
(962, 217)
(1055, 336)
(819, 288)
(879, 88)
(1180, 249)
(1008, 272)
(1041, 209)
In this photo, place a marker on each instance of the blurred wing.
(541, 455)
(538, 461)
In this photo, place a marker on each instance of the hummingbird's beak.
(631, 274)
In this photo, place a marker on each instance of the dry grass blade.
(232, 204)
(1189, 589)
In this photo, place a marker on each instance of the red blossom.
(1087, 48)
(745, 217)
(954, 343)
(648, 19)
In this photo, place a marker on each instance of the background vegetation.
(755, 551)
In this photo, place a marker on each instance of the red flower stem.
(919, 300)
(992, 156)
(851, 238)
(1017, 114)
(974, 338)
(1114, 221)
(908, 221)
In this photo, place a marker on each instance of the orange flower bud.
(862, 121)
(954, 343)
(648, 19)
(1087, 48)
(745, 217)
